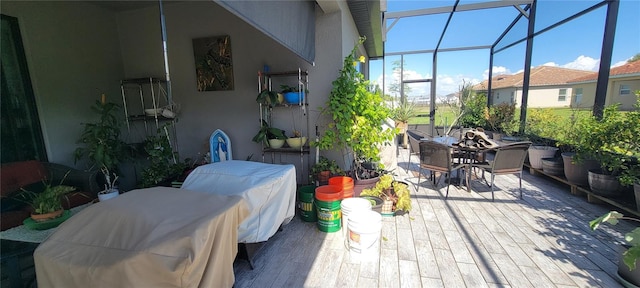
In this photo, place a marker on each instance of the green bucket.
(306, 204)
(328, 200)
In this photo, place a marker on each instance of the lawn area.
(445, 115)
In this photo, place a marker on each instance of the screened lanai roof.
(494, 26)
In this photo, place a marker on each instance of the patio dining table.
(467, 153)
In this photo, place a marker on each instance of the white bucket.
(350, 206)
(364, 235)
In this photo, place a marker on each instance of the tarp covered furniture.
(154, 237)
(269, 189)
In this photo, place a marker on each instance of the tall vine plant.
(357, 115)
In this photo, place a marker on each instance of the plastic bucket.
(328, 198)
(350, 206)
(345, 183)
(306, 204)
(364, 235)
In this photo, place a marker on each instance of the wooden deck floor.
(542, 240)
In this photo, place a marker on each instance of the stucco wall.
(73, 56)
(77, 50)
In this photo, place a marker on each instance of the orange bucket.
(328, 193)
(345, 183)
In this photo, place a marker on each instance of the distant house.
(623, 81)
(548, 87)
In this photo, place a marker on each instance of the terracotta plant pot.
(46, 216)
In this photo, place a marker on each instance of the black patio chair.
(507, 160)
(436, 157)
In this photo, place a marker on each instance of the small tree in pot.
(100, 140)
(358, 116)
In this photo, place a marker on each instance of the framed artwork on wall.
(214, 67)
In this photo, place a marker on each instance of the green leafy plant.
(267, 132)
(267, 97)
(48, 200)
(612, 141)
(357, 115)
(164, 163)
(404, 112)
(500, 118)
(100, 140)
(388, 189)
(324, 164)
(473, 110)
(633, 238)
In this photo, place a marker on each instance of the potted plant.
(110, 188)
(270, 136)
(395, 195)
(627, 266)
(500, 119)
(323, 169)
(358, 115)
(100, 140)
(612, 141)
(292, 94)
(164, 165)
(297, 140)
(47, 204)
(269, 98)
(401, 116)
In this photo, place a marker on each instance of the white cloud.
(552, 64)
(445, 84)
(620, 63)
(497, 70)
(583, 63)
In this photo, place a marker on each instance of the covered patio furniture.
(436, 157)
(508, 159)
(154, 237)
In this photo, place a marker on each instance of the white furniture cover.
(155, 237)
(269, 189)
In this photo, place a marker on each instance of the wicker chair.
(508, 160)
(415, 136)
(436, 157)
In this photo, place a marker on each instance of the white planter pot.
(536, 153)
(106, 196)
(276, 143)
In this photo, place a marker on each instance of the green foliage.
(633, 238)
(501, 117)
(404, 112)
(388, 189)
(101, 140)
(473, 111)
(163, 161)
(357, 114)
(266, 132)
(267, 97)
(48, 200)
(325, 164)
(613, 141)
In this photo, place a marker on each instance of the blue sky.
(575, 44)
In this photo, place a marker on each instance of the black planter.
(604, 184)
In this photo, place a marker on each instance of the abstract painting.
(214, 68)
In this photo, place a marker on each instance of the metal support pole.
(605, 57)
(527, 67)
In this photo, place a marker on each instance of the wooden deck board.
(542, 240)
